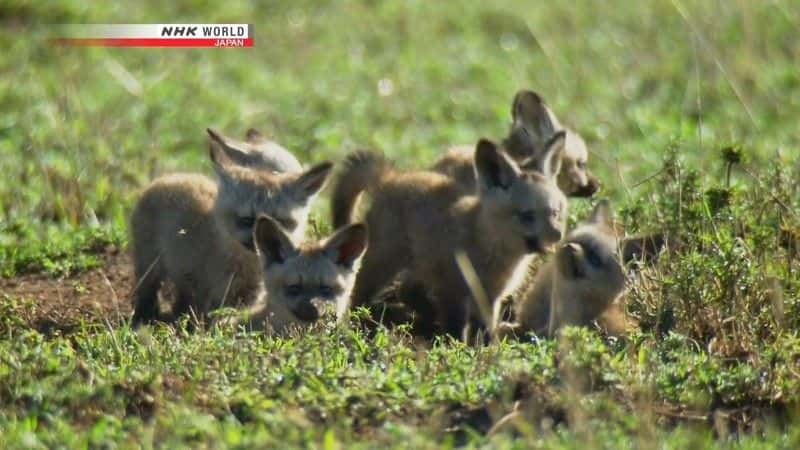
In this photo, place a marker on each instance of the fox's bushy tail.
(361, 170)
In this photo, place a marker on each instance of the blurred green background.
(82, 129)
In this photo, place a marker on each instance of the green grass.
(658, 89)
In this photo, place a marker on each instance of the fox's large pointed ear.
(602, 214)
(493, 168)
(273, 244)
(548, 163)
(529, 111)
(253, 136)
(347, 244)
(643, 248)
(223, 154)
(217, 149)
(310, 182)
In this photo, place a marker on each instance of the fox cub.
(248, 188)
(582, 282)
(300, 281)
(532, 125)
(256, 151)
(419, 220)
(198, 234)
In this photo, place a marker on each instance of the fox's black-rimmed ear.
(493, 168)
(217, 150)
(272, 242)
(310, 182)
(347, 244)
(220, 159)
(602, 214)
(548, 163)
(224, 151)
(253, 136)
(644, 248)
(528, 110)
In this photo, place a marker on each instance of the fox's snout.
(310, 310)
(306, 311)
(543, 242)
(536, 245)
(591, 187)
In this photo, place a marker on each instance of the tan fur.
(418, 220)
(257, 151)
(578, 285)
(199, 234)
(360, 170)
(175, 237)
(533, 123)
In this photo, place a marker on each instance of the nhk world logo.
(183, 35)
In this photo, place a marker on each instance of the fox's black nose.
(306, 311)
(533, 244)
(587, 190)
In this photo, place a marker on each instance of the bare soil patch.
(60, 304)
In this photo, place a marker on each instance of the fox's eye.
(245, 222)
(526, 217)
(593, 257)
(293, 290)
(581, 165)
(326, 291)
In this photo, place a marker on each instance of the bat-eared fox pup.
(418, 221)
(532, 125)
(198, 234)
(300, 281)
(248, 188)
(579, 283)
